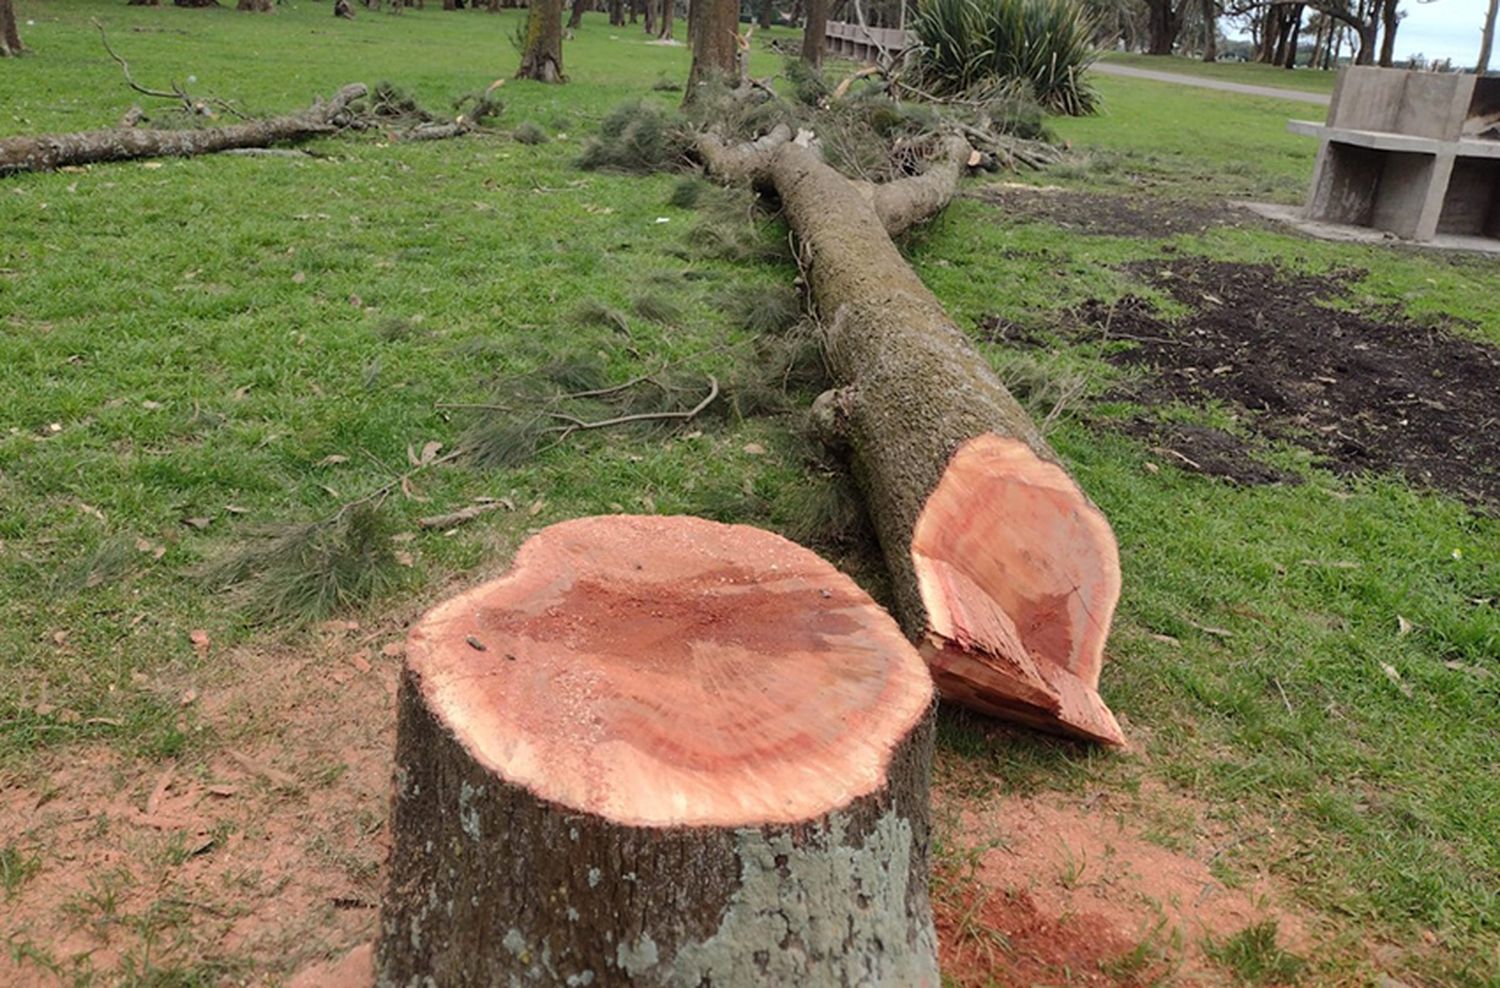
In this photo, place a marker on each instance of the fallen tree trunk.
(661, 751)
(51, 151)
(1003, 571)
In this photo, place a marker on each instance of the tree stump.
(660, 751)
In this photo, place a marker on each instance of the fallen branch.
(52, 151)
(578, 425)
(190, 104)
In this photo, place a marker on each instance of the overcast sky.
(1442, 29)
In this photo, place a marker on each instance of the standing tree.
(1390, 20)
(257, 6)
(575, 18)
(1164, 23)
(1487, 42)
(541, 58)
(1210, 30)
(713, 31)
(813, 32)
(10, 38)
(668, 14)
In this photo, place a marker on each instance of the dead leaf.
(536, 507)
(475, 643)
(151, 548)
(159, 791)
(1403, 626)
(1219, 632)
(189, 698)
(338, 626)
(43, 709)
(1395, 677)
(60, 638)
(1165, 639)
(201, 641)
(393, 650)
(361, 661)
(90, 510)
(332, 459)
(455, 518)
(198, 522)
(356, 301)
(235, 509)
(754, 449)
(404, 558)
(272, 775)
(151, 406)
(299, 277)
(67, 715)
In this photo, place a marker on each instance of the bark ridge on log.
(661, 751)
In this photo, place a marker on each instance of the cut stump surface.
(661, 751)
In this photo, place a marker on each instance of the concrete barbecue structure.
(1414, 154)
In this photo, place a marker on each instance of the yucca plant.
(1048, 44)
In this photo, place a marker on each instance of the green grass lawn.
(1251, 73)
(194, 349)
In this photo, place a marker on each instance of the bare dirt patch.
(1102, 215)
(1085, 893)
(1362, 391)
(256, 854)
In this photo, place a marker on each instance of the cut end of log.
(1019, 573)
(671, 671)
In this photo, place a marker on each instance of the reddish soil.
(1363, 391)
(1061, 891)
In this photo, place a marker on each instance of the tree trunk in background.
(195, 3)
(1390, 21)
(616, 13)
(576, 17)
(10, 37)
(765, 14)
(681, 747)
(1210, 30)
(650, 18)
(542, 59)
(257, 6)
(713, 31)
(1164, 23)
(1295, 37)
(1487, 40)
(814, 32)
(450, 4)
(668, 15)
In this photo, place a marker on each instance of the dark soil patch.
(998, 329)
(1112, 216)
(1209, 451)
(1364, 392)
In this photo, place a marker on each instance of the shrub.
(1048, 44)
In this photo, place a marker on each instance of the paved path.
(1274, 92)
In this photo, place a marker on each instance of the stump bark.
(1004, 572)
(661, 751)
(50, 151)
